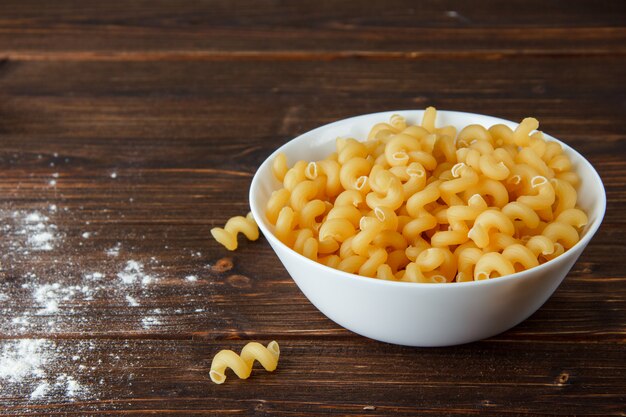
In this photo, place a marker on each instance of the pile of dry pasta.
(422, 203)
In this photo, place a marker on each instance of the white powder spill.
(51, 307)
(52, 183)
(30, 367)
(73, 387)
(41, 390)
(20, 320)
(41, 241)
(24, 358)
(150, 321)
(51, 286)
(131, 301)
(47, 296)
(28, 231)
(94, 276)
(50, 295)
(115, 250)
(34, 217)
(134, 272)
(114, 175)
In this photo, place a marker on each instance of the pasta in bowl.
(468, 222)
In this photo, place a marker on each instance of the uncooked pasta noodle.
(235, 225)
(242, 364)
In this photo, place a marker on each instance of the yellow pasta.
(242, 364)
(353, 175)
(235, 225)
(492, 262)
(279, 166)
(485, 222)
(278, 200)
(419, 203)
(386, 188)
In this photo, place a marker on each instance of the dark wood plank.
(149, 30)
(329, 377)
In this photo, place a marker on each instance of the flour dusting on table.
(53, 286)
(29, 231)
(27, 364)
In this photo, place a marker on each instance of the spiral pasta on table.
(421, 203)
(242, 364)
(235, 225)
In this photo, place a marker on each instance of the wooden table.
(129, 129)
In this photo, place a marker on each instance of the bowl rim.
(258, 212)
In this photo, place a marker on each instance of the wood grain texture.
(134, 128)
(339, 378)
(287, 30)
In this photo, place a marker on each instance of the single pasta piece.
(278, 200)
(492, 262)
(485, 222)
(242, 364)
(280, 167)
(235, 225)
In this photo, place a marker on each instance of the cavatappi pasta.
(242, 364)
(235, 225)
(421, 203)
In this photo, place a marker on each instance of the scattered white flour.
(57, 286)
(21, 320)
(94, 276)
(150, 321)
(52, 183)
(29, 364)
(24, 358)
(133, 272)
(47, 296)
(35, 227)
(73, 387)
(34, 217)
(115, 250)
(51, 307)
(131, 301)
(41, 241)
(50, 295)
(41, 390)
(114, 175)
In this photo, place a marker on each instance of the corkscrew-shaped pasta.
(235, 225)
(419, 203)
(242, 364)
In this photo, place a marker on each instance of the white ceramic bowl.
(410, 313)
